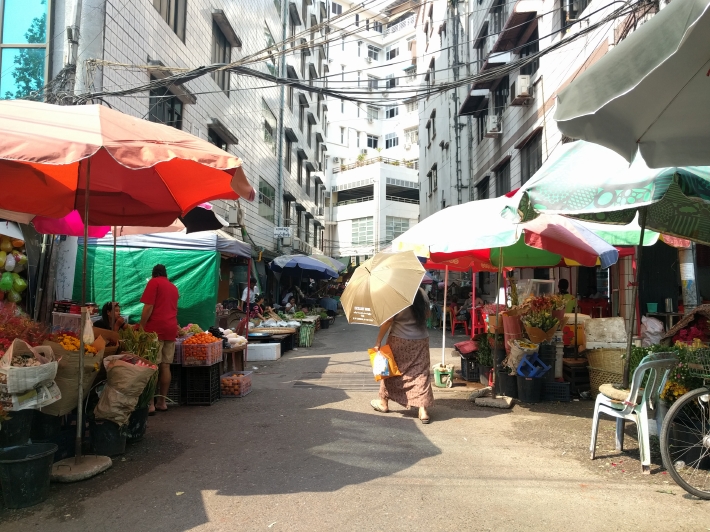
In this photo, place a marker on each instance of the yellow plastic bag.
(391, 371)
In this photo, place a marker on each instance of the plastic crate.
(201, 354)
(179, 348)
(202, 385)
(235, 383)
(556, 391)
(176, 391)
(469, 369)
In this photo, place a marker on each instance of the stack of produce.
(190, 328)
(202, 349)
(235, 383)
(13, 260)
(233, 338)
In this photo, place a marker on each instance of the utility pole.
(89, 20)
(457, 130)
(280, 151)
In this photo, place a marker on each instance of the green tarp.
(195, 273)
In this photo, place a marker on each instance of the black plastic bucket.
(508, 384)
(107, 438)
(24, 474)
(325, 324)
(529, 389)
(137, 424)
(44, 426)
(16, 430)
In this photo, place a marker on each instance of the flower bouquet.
(539, 321)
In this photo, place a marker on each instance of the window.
(391, 111)
(221, 53)
(289, 97)
(173, 12)
(434, 177)
(309, 134)
(373, 113)
(359, 48)
(214, 138)
(357, 139)
(363, 231)
(530, 158)
(342, 135)
(299, 170)
(391, 51)
(336, 9)
(377, 26)
(342, 107)
(531, 48)
(373, 52)
(573, 9)
(357, 20)
(432, 119)
(342, 44)
(500, 96)
(391, 81)
(411, 136)
(308, 181)
(304, 12)
(391, 140)
(299, 218)
(269, 126)
(373, 83)
(482, 189)
(308, 230)
(412, 106)
(301, 114)
(288, 155)
(394, 227)
(372, 141)
(271, 62)
(411, 73)
(165, 108)
(503, 179)
(266, 200)
(287, 213)
(358, 78)
(481, 120)
(23, 52)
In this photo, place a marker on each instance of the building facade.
(373, 144)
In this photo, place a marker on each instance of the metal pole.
(474, 321)
(246, 334)
(443, 328)
(634, 298)
(282, 72)
(113, 280)
(80, 399)
(495, 336)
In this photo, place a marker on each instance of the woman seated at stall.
(291, 305)
(105, 321)
(257, 309)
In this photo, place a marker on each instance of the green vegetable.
(323, 316)
(299, 315)
(145, 345)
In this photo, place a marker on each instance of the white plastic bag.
(651, 331)
(88, 331)
(380, 365)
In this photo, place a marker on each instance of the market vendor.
(252, 290)
(105, 321)
(570, 300)
(291, 305)
(160, 300)
(256, 309)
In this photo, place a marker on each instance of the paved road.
(304, 451)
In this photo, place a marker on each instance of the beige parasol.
(381, 287)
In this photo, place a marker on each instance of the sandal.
(424, 420)
(375, 403)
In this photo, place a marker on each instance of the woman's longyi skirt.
(413, 388)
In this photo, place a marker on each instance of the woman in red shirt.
(160, 299)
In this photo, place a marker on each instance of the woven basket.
(597, 377)
(607, 359)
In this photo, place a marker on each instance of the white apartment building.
(373, 145)
(135, 41)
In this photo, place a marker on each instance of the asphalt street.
(305, 451)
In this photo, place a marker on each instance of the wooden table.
(238, 362)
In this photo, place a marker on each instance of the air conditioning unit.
(523, 90)
(327, 194)
(336, 160)
(370, 120)
(321, 211)
(494, 126)
(363, 151)
(368, 59)
(407, 146)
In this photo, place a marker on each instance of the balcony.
(400, 25)
(374, 160)
(402, 200)
(354, 201)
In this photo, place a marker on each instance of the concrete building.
(127, 43)
(373, 147)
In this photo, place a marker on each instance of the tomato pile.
(198, 350)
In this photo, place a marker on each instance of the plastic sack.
(651, 331)
(89, 337)
(20, 258)
(6, 282)
(383, 363)
(14, 297)
(127, 377)
(22, 379)
(18, 283)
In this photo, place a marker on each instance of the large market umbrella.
(137, 172)
(589, 181)
(333, 263)
(381, 287)
(650, 92)
(295, 265)
(113, 168)
(203, 218)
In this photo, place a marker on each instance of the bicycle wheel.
(685, 442)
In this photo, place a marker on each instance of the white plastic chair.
(633, 407)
